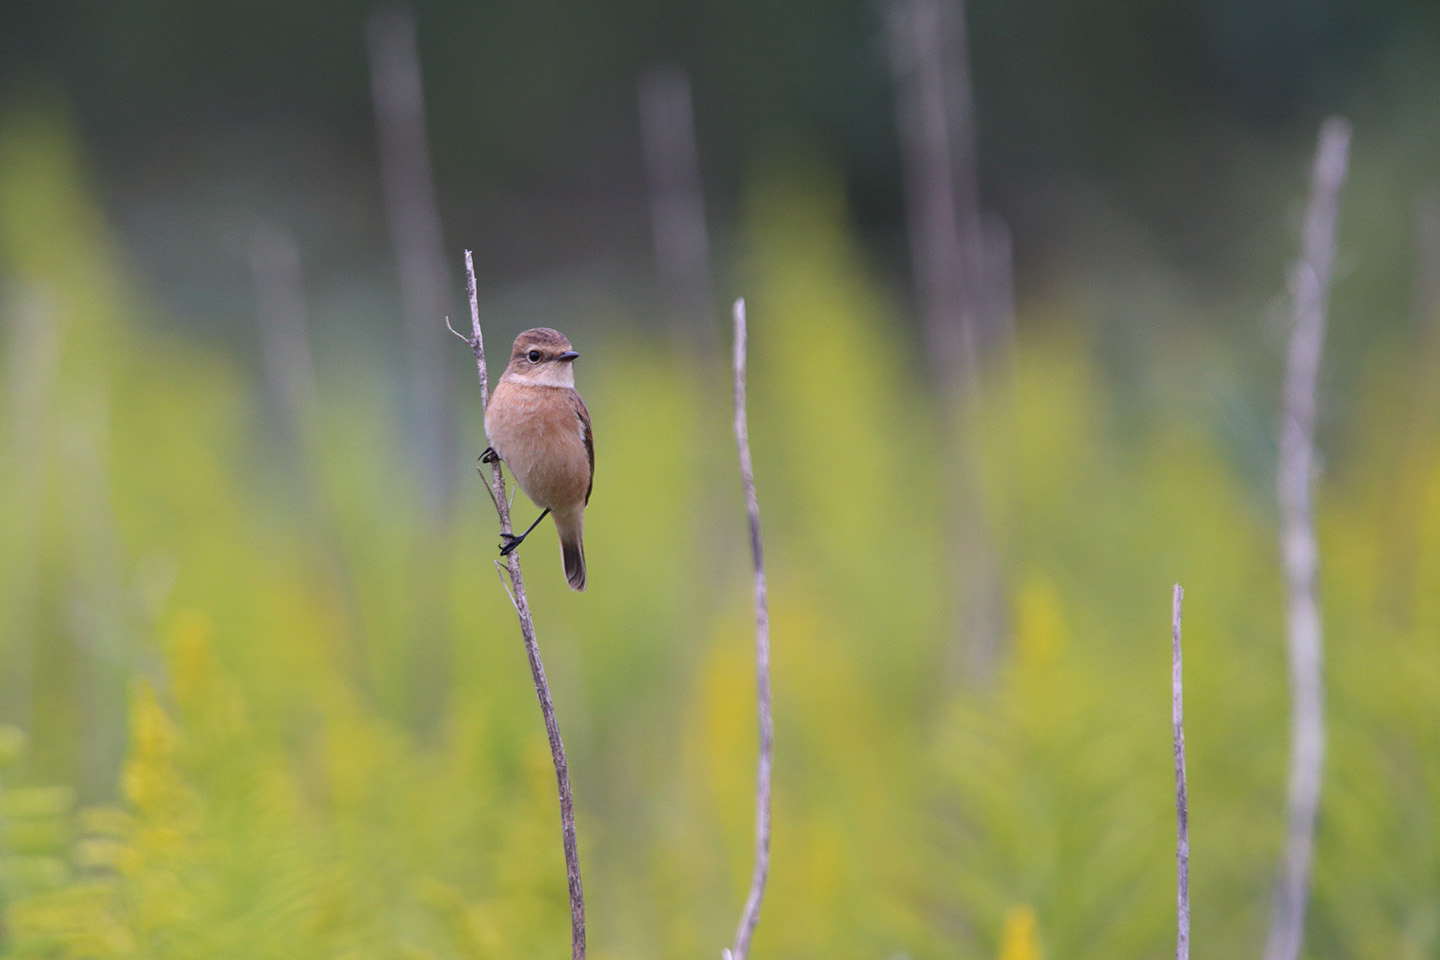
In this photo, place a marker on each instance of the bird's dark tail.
(572, 551)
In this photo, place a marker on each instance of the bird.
(538, 425)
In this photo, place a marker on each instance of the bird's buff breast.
(538, 434)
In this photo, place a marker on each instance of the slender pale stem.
(1182, 803)
(1310, 287)
(413, 213)
(532, 646)
(284, 342)
(934, 111)
(962, 274)
(751, 915)
(677, 204)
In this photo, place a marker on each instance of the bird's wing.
(583, 413)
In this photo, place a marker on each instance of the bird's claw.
(489, 456)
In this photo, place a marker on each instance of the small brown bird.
(538, 425)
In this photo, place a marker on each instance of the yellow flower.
(1019, 939)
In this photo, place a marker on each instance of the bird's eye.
(534, 356)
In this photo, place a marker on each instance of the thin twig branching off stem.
(1182, 803)
(1310, 288)
(532, 647)
(751, 916)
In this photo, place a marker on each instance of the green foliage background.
(274, 709)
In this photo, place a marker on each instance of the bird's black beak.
(567, 356)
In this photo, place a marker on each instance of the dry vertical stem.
(962, 282)
(751, 916)
(289, 372)
(1310, 286)
(532, 646)
(284, 345)
(937, 142)
(1182, 803)
(677, 204)
(414, 217)
(961, 258)
(31, 384)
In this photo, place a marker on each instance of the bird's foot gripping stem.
(510, 541)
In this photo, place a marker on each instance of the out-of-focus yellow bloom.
(150, 777)
(1020, 940)
(1040, 634)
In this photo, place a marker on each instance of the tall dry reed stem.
(1182, 802)
(532, 646)
(1310, 288)
(751, 915)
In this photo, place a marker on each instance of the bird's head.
(541, 357)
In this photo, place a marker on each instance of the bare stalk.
(1182, 803)
(751, 915)
(532, 646)
(962, 273)
(677, 203)
(936, 127)
(414, 217)
(284, 343)
(1310, 286)
(289, 372)
(32, 388)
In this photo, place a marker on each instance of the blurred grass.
(241, 742)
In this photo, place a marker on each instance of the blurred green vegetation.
(260, 705)
(1107, 126)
